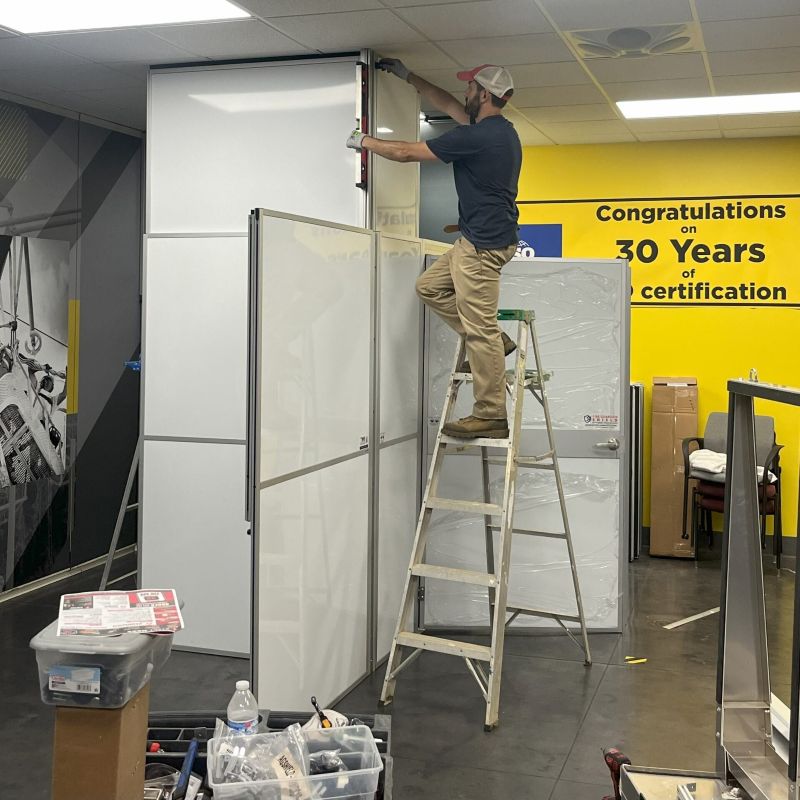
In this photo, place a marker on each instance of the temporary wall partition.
(334, 451)
(223, 139)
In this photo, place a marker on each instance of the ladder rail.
(506, 523)
(405, 618)
(562, 501)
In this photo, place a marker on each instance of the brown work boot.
(475, 427)
(509, 346)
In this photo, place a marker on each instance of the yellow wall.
(713, 343)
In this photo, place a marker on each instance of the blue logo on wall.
(539, 241)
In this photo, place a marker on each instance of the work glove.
(354, 141)
(395, 66)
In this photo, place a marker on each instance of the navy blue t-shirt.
(486, 161)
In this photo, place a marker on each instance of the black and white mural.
(70, 229)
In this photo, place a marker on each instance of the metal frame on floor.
(746, 753)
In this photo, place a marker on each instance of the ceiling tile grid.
(562, 96)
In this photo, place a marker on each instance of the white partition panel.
(193, 492)
(397, 518)
(399, 264)
(312, 578)
(312, 374)
(195, 337)
(224, 140)
(315, 343)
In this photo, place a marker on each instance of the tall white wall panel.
(195, 337)
(196, 541)
(397, 519)
(225, 140)
(312, 577)
(400, 263)
(315, 343)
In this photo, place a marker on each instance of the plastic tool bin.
(96, 671)
(356, 747)
(173, 730)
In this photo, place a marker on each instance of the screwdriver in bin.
(323, 720)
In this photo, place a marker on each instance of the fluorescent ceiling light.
(49, 16)
(711, 106)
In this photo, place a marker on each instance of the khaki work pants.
(463, 288)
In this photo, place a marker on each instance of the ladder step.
(526, 532)
(538, 612)
(453, 574)
(470, 506)
(480, 441)
(447, 646)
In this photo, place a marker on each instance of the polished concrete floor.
(556, 714)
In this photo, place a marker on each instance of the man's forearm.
(394, 151)
(437, 97)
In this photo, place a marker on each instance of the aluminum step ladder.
(496, 577)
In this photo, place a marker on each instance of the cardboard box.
(674, 419)
(99, 754)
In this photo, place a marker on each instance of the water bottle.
(243, 710)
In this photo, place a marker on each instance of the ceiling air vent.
(635, 42)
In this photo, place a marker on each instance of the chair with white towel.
(708, 469)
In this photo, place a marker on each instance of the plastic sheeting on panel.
(578, 325)
(540, 574)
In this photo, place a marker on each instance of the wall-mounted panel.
(315, 343)
(223, 141)
(195, 347)
(312, 585)
(397, 518)
(194, 498)
(399, 265)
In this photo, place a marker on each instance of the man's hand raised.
(395, 66)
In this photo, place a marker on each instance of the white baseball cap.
(494, 79)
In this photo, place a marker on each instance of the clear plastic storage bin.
(96, 671)
(356, 747)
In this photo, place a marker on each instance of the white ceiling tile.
(650, 68)
(444, 79)
(675, 124)
(557, 96)
(22, 52)
(744, 9)
(559, 73)
(658, 90)
(128, 44)
(758, 84)
(404, 3)
(595, 111)
(419, 56)
(754, 62)
(234, 39)
(350, 30)
(663, 136)
(528, 134)
(477, 19)
(535, 48)
(572, 15)
(753, 34)
(740, 121)
(752, 133)
(291, 8)
(590, 132)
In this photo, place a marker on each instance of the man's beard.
(471, 108)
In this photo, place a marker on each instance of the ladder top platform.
(520, 314)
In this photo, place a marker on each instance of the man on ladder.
(463, 285)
